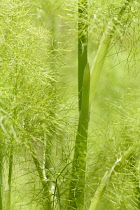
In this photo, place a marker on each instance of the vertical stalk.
(85, 95)
(77, 183)
(82, 45)
(49, 139)
(10, 172)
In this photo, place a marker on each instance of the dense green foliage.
(66, 127)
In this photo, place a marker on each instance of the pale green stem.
(99, 192)
(45, 182)
(102, 186)
(95, 74)
(99, 62)
(102, 51)
(49, 140)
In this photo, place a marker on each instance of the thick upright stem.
(82, 45)
(99, 62)
(77, 184)
(102, 51)
(1, 158)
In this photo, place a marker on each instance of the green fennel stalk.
(86, 94)
(102, 186)
(82, 45)
(77, 183)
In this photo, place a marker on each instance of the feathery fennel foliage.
(37, 145)
(28, 93)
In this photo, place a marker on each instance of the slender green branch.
(99, 192)
(77, 183)
(102, 186)
(99, 61)
(44, 180)
(11, 160)
(102, 51)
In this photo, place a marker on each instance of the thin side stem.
(101, 188)
(86, 94)
(11, 155)
(102, 51)
(43, 179)
(99, 62)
